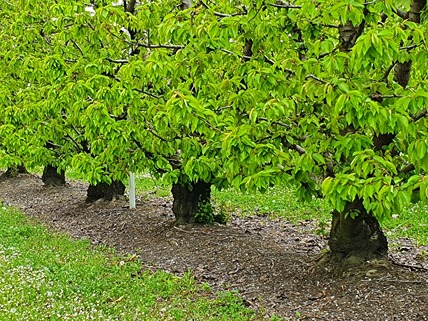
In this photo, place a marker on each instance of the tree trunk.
(52, 176)
(104, 191)
(13, 171)
(188, 200)
(403, 69)
(356, 239)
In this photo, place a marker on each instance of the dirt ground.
(273, 264)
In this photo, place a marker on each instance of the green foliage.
(48, 277)
(207, 215)
(248, 94)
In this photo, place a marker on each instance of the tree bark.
(188, 199)
(13, 171)
(104, 191)
(403, 69)
(52, 176)
(359, 238)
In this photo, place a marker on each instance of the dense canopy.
(327, 96)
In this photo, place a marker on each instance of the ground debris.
(267, 261)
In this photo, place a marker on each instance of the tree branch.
(408, 48)
(402, 14)
(147, 93)
(284, 5)
(118, 61)
(225, 15)
(131, 6)
(150, 46)
(407, 169)
(420, 115)
(387, 72)
(316, 78)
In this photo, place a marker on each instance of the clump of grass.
(45, 276)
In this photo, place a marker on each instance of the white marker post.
(131, 190)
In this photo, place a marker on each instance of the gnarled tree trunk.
(104, 191)
(53, 176)
(356, 239)
(187, 200)
(13, 171)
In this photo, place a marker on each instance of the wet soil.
(272, 263)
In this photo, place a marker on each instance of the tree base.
(336, 265)
(13, 171)
(357, 239)
(52, 177)
(104, 191)
(189, 200)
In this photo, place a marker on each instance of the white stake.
(131, 190)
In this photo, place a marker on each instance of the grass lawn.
(46, 276)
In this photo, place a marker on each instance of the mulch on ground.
(272, 263)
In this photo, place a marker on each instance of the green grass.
(412, 223)
(46, 276)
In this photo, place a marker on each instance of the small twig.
(405, 281)
(324, 54)
(387, 72)
(150, 46)
(147, 93)
(77, 47)
(151, 131)
(118, 61)
(408, 48)
(181, 230)
(409, 266)
(316, 78)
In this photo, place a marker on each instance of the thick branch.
(284, 5)
(401, 14)
(407, 169)
(416, 9)
(420, 115)
(131, 6)
(402, 70)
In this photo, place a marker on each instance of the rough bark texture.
(13, 171)
(187, 199)
(185, 4)
(348, 35)
(402, 70)
(358, 238)
(53, 176)
(402, 73)
(104, 191)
